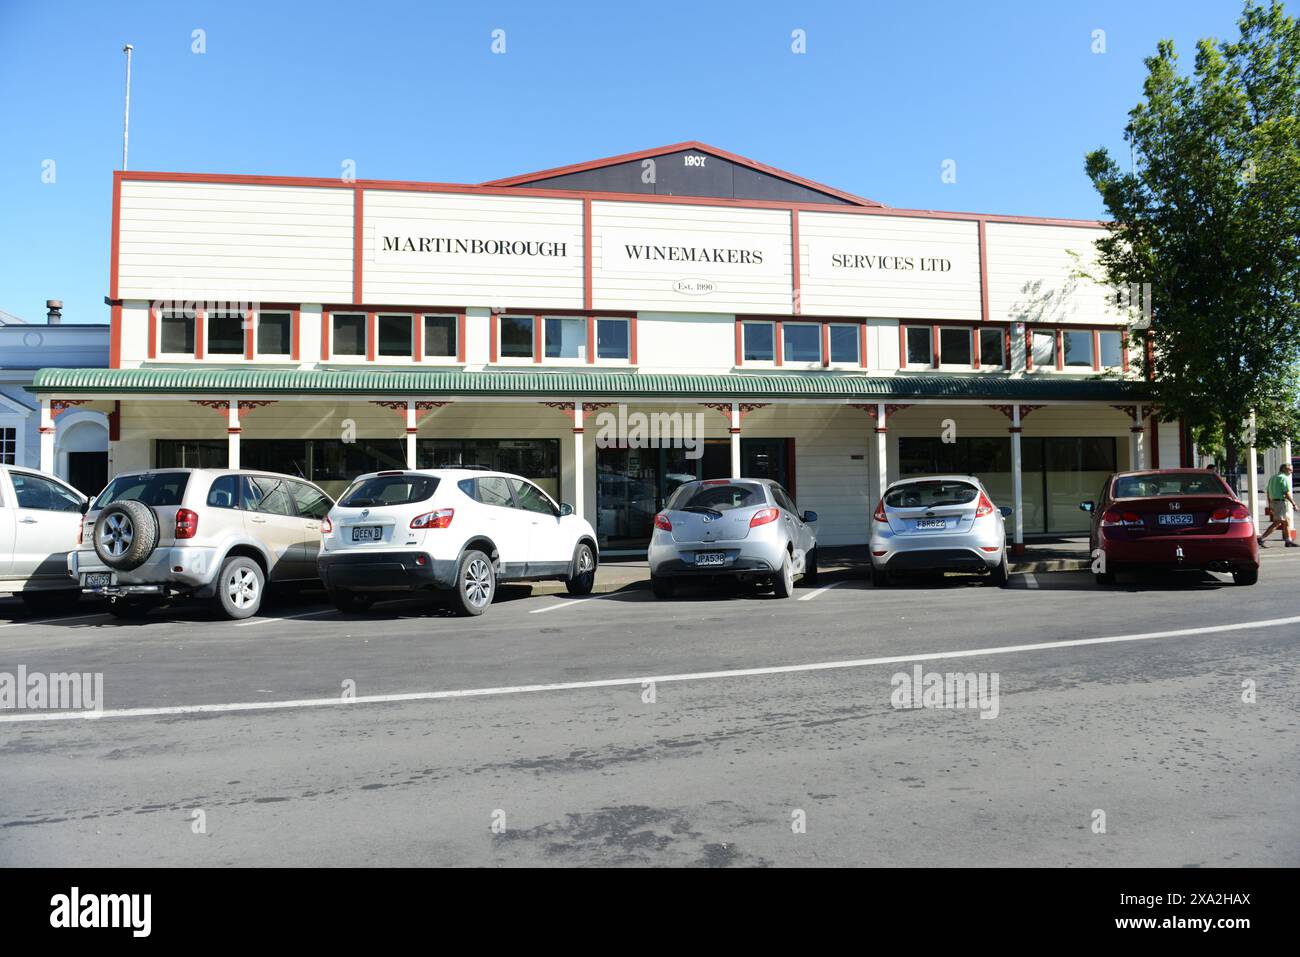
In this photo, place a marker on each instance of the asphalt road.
(717, 769)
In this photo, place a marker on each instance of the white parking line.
(55, 621)
(813, 594)
(267, 621)
(562, 604)
(637, 681)
(1030, 580)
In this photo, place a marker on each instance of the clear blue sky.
(411, 90)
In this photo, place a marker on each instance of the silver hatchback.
(938, 523)
(748, 529)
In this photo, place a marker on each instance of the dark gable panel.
(688, 173)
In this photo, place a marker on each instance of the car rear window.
(150, 488)
(389, 490)
(932, 494)
(717, 497)
(1168, 483)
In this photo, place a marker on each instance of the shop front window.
(537, 460)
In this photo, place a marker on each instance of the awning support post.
(1017, 484)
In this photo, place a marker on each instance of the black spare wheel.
(126, 533)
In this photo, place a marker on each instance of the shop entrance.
(632, 485)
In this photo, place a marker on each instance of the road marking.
(52, 621)
(562, 604)
(267, 621)
(624, 682)
(1030, 580)
(813, 594)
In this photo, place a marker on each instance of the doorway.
(88, 472)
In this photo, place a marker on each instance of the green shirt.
(1279, 487)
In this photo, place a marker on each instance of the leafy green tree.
(1208, 220)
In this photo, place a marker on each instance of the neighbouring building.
(326, 328)
(79, 453)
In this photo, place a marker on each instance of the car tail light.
(763, 516)
(187, 523)
(439, 519)
(985, 507)
(1115, 518)
(662, 523)
(879, 514)
(81, 533)
(326, 526)
(1236, 515)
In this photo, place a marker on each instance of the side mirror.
(1087, 506)
(809, 518)
(1005, 510)
(565, 509)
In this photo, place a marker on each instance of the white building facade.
(328, 328)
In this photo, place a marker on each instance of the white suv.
(458, 530)
(39, 520)
(204, 533)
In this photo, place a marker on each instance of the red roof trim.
(234, 179)
(677, 148)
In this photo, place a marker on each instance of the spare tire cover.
(126, 534)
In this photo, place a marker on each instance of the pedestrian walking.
(1279, 495)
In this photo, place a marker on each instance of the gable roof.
(563, 177)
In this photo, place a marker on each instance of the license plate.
(1175, 518)
(96, 580)
(367, 533)
(931, 523)
(710, 559)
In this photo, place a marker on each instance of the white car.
(454, 530)
(40, 518)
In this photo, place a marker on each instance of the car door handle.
(259, 521)
(312, 526)
(28, 521)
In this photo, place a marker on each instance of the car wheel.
(784, 584)
(1246, 576)
(879, 578)
(583, 578)
(130, 609)
(662, 587)
(1000, 575)
(125, 534)
(351, 602)
(239, 587)
(476, 584)
(810, 571)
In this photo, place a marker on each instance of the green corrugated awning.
(423, 382)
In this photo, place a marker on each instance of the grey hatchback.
(747, 529)
(938, 523)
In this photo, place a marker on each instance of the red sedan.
(1171, 519)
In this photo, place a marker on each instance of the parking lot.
(620, 729)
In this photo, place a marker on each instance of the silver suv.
(219, 534)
